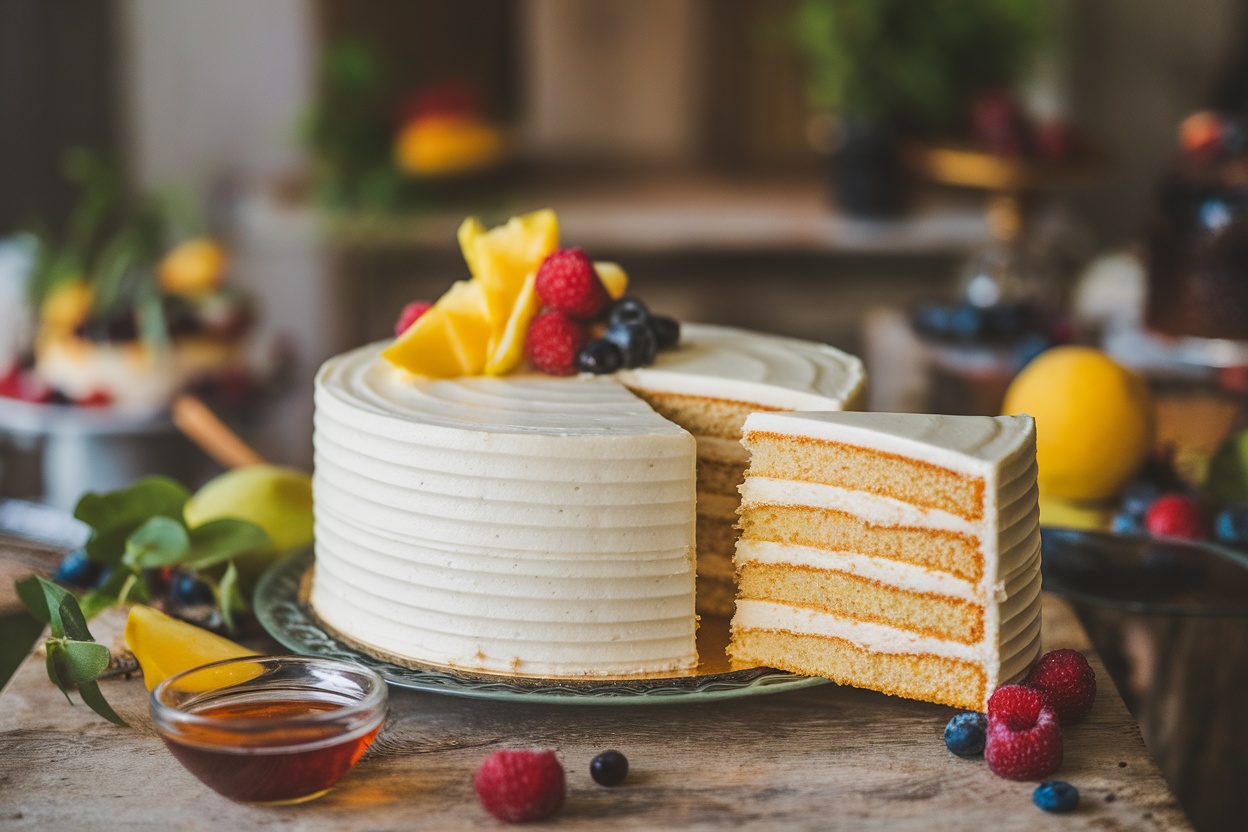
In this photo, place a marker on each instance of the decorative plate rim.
(287, 619)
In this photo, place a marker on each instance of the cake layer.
(956, 553)
(931, 678)
(863, 599)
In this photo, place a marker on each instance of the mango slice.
(612, 277)
(507, 349)
(505, 255)
(165, 646)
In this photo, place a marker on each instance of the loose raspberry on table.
(410, 314)
(1024, 737)
(520, 786)
(1175, 515)
(566, 281)
(1068, 680)
(553, 343)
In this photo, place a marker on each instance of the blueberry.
(188, 589)
(609, 768)
(1138, 497)
(967, 322)
(1056, 796)
(599, 356)
(1028, 347)
(628, 310)
(666, 331)
(636, 343)
(1127, 523)
(934, 319)
(965, 734)
(1231, 525)
(76, 569)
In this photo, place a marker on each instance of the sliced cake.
(897, 552)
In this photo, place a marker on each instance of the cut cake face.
(897, 552)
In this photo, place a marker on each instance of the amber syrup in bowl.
(270, 729)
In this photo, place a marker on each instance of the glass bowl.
(270, 729)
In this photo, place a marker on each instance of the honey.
(293, 762)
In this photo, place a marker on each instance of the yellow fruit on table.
(612, 277)
(276, 498)
(1094, 421)
(66, 306)
(165, 646)
(445, 146)
(193, 267)
(1054, 511)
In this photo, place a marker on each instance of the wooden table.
(821, 758)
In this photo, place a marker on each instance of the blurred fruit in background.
(193, 267)
(446, 133)
(1094, 422)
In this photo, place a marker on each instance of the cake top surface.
(741, 365)
(966, 443)
(720, 362)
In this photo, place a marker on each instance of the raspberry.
(410, 314)
(566, 281)
(1024, 737)
(1174, 515)
(1068, 680)
(553, 343)
(520, 786)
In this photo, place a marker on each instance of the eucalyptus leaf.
(220, 540)
(81, 661)
(160, 541)
(31, 595)
(73, 622)
(229, 598)
(54, 597)
(90, 693)
(129, 507)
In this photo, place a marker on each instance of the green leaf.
(161, 541)
(108, 593)
(53, 598)
(114, 516)
(52, 649)
(73, 622)
(220, 540)
(131, 506)
(32, 597)
(81, 661)
(90, 692)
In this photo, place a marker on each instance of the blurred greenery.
(915, 65)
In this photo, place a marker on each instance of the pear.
(276, 498)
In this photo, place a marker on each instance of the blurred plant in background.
(916, 66)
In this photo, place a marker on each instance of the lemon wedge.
(165, 646)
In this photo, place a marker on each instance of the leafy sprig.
(141, 528)
(75, 658)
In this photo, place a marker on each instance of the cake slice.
(897, 552)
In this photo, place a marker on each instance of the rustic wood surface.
(820, 758)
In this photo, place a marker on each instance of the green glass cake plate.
(282, 610)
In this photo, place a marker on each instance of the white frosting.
(1000, 450)
(529, 524)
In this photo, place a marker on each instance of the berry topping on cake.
(1056, 796)
(636, 342)
(609, 768)
(1024, 740)
(520, 786)
(965, 734)
(566, 281)
(1069, 682)
(599, 357)
(628, 310)
(1175, 515)
(410, 314)
(554, 342)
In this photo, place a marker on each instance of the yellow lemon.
(193, 267)
(165, 646)
(1094, 421)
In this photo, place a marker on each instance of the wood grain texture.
(821, 758)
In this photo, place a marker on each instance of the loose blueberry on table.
(609, 768)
